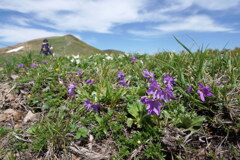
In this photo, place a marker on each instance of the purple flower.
(20, 65)
(33, 65)
(204, 91)
(123, 83)
(166, 95)
(8, 61)
(90, 81)
(121, 75)
(44, 62)
(71, 89)
(96, 106)
(169, 81)
(79, 73)
(144, 100)
(148, 75)
(154, 107)
(189, 90)
(133, 59)
(88, 104)
(52, 60)
(154, 89)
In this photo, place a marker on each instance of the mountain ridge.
(62, 45)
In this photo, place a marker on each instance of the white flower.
(78, 61)
(76, 57)
(72, 60)
(109, 58)
(121, 56)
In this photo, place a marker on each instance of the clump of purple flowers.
(148, 75)
(157, 97)
(204, 91)
(90, 81)
(122, 81)
(153, 105)
(44, 62)
(133, 59)
(121, 75)
(88, 104)
(33, 65)
(189, 90)
(169, 81)
(79, 73)
(20, 65)
(71, 89)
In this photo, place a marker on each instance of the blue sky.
(145, 26)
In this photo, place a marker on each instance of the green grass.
(122, 118)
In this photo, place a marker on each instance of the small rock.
(18, 126)
(14, 77)
(17, 115)
(10, 97)
(4, 117)
(9, 111)
(29, 117)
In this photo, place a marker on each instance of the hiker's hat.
(45, 40)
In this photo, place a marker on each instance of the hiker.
(46, 48)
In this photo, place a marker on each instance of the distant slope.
(113, 51)
(62, 45)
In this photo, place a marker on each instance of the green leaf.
(46, 89)
(132, 109)
(135, 109)
(198, 121)
(129, 122)
(183, 45)
(185, 122)
(99, 119)
(45, 106)
(166, 114)
(81, 132)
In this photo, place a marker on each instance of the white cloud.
(84, 15)
(197, 23)
(216, 4)
(15, 34)
(20, 21)
(178, 5)
(200, 23)
(103, 15)
(146, 33)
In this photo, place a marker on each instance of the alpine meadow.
(120, 106)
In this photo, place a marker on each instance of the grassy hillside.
(113, 51)
(163, 106)
(63, 45)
